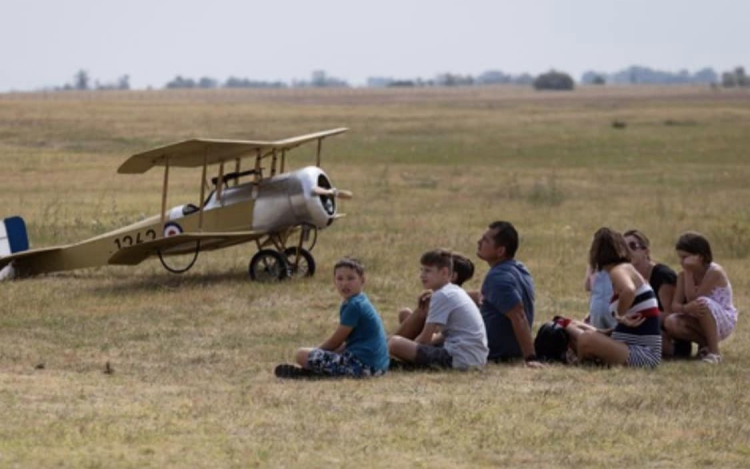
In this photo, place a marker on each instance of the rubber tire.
(268, 265)
(305, 258)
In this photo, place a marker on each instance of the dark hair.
(463, 268)
(608, 247)
(350, 263)
(695, 243)
(439, 258)
(506, 236)
(551, 343)
(642, 238)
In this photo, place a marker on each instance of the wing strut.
(164, 191)
(203, 190)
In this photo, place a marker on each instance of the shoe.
(398, 365)
(288, 371)
(712, 358)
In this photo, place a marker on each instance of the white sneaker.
(712, 358)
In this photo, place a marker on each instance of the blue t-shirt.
(506, 284)
(367, 340)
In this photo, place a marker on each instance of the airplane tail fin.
(13, 236)
(13, 239)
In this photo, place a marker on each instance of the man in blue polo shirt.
(507, 302)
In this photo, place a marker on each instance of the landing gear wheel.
(305, 266)
(268, 265)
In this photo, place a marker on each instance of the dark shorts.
(323, 362)
(429, 356)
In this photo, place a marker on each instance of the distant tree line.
(736, 77)
(318, 79)
(82, 82)
(551, 80)
(638, 75)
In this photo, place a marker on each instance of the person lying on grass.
(411, 322)
(358, 348)
(702, 308)
(454, 335)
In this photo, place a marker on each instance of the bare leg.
(412, 324)
(575, 329)
(710, 331)
(683, 327)
(301, 356)
(402, 348)
(592, 344)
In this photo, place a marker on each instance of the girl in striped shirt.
(636, 339)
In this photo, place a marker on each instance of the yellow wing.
(192, 153)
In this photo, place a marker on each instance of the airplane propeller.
(333, 192)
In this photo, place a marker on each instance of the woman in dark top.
(662, 280)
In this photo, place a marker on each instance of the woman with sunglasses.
(662, 280)
(703, 310)
(636, 340)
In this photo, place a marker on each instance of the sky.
(43, 43)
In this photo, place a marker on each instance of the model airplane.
(280, 211)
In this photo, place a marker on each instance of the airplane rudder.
(13, 236)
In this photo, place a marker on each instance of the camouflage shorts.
(338, 364)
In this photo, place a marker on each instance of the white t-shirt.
(462, 326)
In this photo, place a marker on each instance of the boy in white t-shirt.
(454, 335)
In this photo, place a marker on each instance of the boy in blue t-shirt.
(358, 348)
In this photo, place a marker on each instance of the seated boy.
(411, 322)
(358, 348)
(453, 335)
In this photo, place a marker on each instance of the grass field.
(193, 355)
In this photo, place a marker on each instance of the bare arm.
(427, 335)
(689, 290)
(625, 288)
(666, 296)
(587, 280)
(337, 339)
(522, 330)
(476, 296)
(678, 300)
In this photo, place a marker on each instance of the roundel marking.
(172, 229)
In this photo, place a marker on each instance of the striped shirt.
(644, 341)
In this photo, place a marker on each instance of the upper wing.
(193, 153)
(178, 244)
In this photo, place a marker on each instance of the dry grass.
(193, 355)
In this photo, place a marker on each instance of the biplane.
(280, 210)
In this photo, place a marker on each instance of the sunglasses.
(634, 246)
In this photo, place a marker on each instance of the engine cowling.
(285, 200)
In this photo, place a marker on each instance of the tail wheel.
(305, 266)
(268, 265)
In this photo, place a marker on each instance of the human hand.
(423, 302)
(631, 320)
(534, 364)
(697, 308)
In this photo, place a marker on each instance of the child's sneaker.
(288, 371)
(712, 358)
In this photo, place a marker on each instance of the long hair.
(608, 247)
